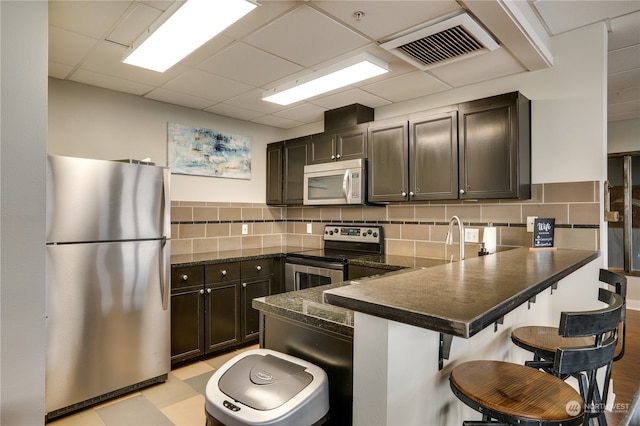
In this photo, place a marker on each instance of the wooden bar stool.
(520, 395)
(543, 341)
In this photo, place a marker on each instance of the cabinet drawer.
(222, 272)
(187, 276)
(257, 268)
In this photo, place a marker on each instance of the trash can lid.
(264, 382)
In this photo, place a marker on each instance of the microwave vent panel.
(453, 39)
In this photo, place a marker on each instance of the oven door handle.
(315, 263)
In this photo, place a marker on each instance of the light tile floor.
(177, 402)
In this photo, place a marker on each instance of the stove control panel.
(354, 233)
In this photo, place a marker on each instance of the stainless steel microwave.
(336, 183)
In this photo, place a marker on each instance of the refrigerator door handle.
(165, 268)
(166, 192)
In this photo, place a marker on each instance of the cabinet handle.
(244, 285)
(201, 291)
(411, 193)
(185, 277)
(223, 272)
(209, 291)
(338, 156)
(258, 268)
(333, 157)
(462, 191)
(404, 194)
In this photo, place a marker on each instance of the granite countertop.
(461, 298)
(195, 259)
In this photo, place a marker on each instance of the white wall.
(86, 121)
(23, 129)
(623, 136)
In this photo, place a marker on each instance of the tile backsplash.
(411, 229)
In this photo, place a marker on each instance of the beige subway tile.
(279, 227)
(218, 229)
(252, 241)
(175, 231)
(274, 240)
(501, 213)
(415, 232)
(291, 226)
(299, 228)
(584, 239)
(181, 246)
(219, 204)
(230, 213)
(312, 241)
(352, 213)
(431, 213)
(374, 213)
(193, 203)
(205, 213)
(205, 245)
(293, 240)
(293, 212)
(272, 213)
(584, 214)
(516, 236)
(260, 228)
(401, 213)
(175, 203)
(570, 192)
(251, 213)
(466, 212)
(229, 243)
(430, 249)
(558, 211)
(192, 230)
(330, 213)
(392, 231)
(236, 228)
(439, 232)
(311, 213)
(400, 247)
(181, 214)
(317, 228)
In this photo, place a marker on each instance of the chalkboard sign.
(543, 232)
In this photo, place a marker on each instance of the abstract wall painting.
(206, 152)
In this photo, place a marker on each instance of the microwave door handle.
(345, 185)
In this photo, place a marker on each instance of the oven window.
(307, 280)
(326, 187)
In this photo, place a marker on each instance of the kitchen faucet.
(449, 239)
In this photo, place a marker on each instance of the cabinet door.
(295, 158)
(352, 144)
(187, 323)
(388, 163)
(274, 173)
(322, 148)
(222, 326)
(250, 316)
(433, 167)
(495, 148)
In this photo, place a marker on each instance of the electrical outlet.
(530, 221)
(471, 235)
(245, 229)
(309, 228)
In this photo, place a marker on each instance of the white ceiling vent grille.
(445, 42)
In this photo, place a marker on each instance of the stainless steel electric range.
(311, 268)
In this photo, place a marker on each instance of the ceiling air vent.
(453, 39)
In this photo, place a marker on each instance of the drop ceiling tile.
(59, 70)
(204, 52)
(624, 59)
(107, 58)
(134, 24)
(233, 111)
(272, 120)
(304, 113)
(310, 37)
(621, 80)
(177, 98)
(625, 31)
(90, 18)
(246, 63)
(379, 23)
(406, 86)
(205, 85)
(478, 68)
(253, 101)
(626, 109)
(105, 81)
(351, 96)
(66, 47)
(629, 94)
(258, 17)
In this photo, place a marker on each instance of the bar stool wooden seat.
(520, 395)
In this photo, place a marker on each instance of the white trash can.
(265, 387)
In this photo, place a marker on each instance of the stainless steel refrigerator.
(108, 270)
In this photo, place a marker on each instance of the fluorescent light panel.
(353, 70)
(192, 25)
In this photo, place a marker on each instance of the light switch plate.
(245, 229)
(530, 221)
(471, 235)
(309, 228)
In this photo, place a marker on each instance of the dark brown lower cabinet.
(187, 323)
(222, 315)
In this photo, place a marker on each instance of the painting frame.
(200, 151)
